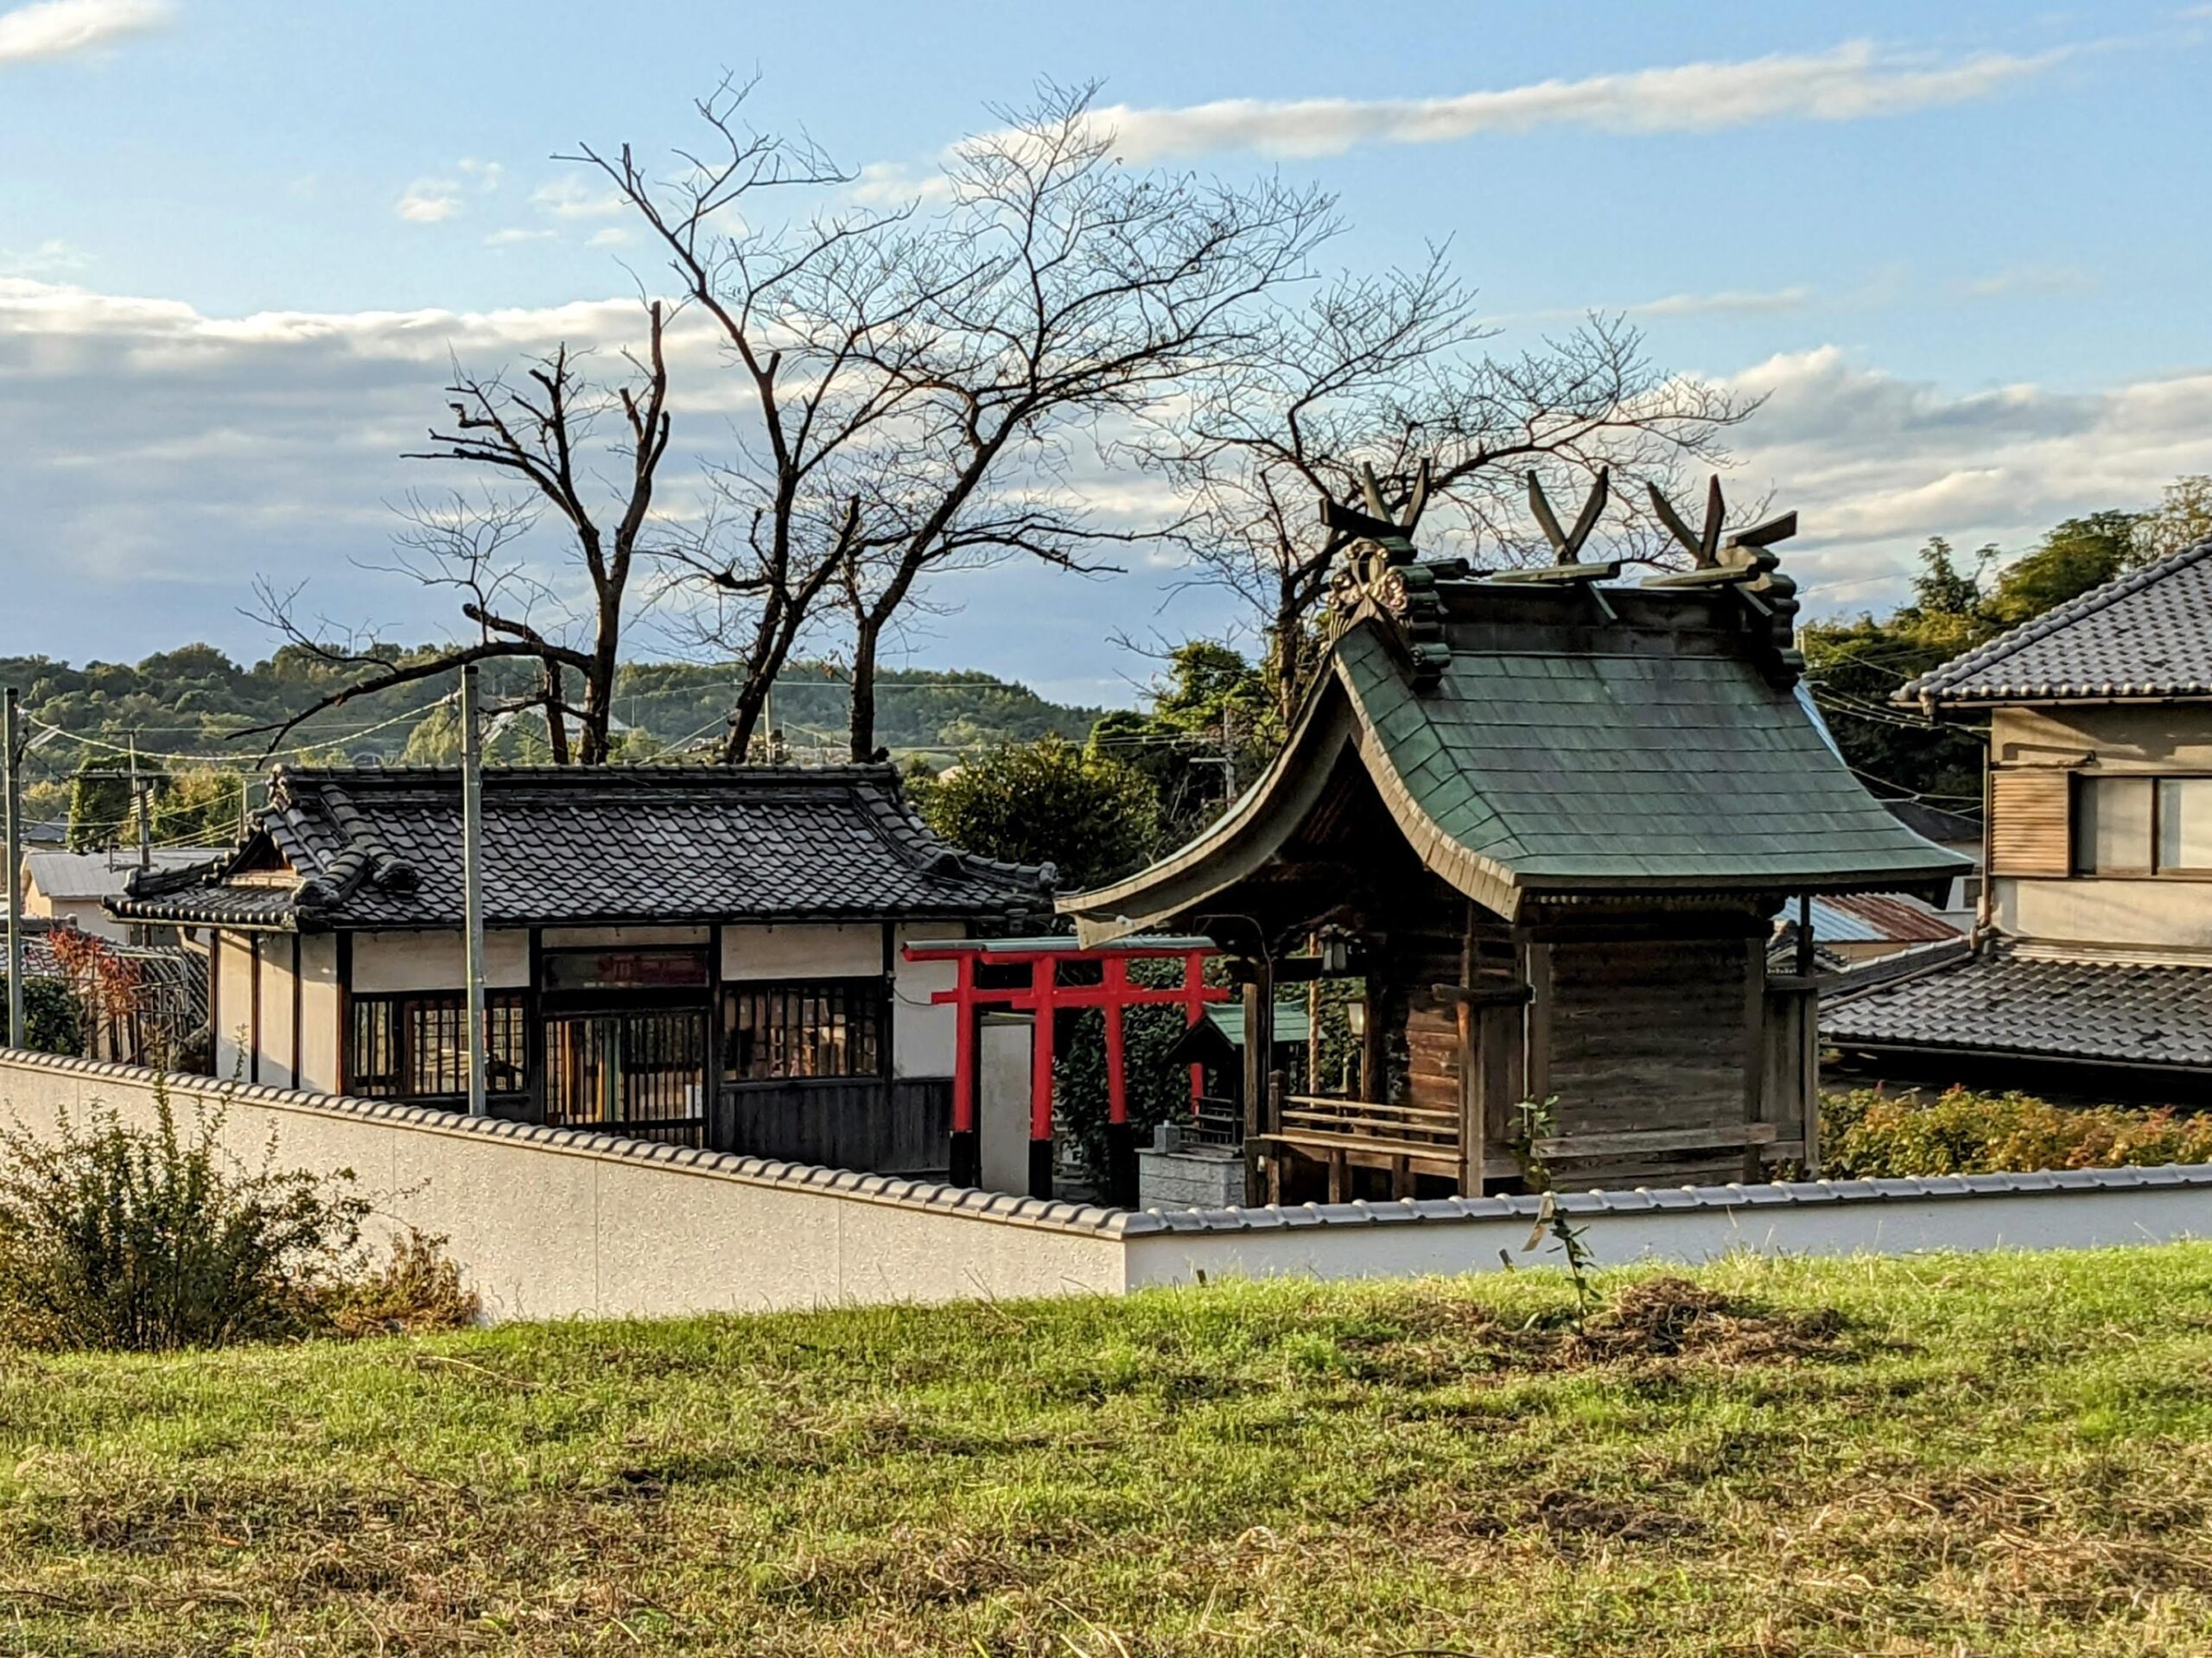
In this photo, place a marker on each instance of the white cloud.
(611, 236)
(1727, 301)
(2032, 279)
(56, 27)
(1876, 463)
(485, 175)
(429, 201)
(51, 258)
(1854, 81)
(514, 234)
(570, 197)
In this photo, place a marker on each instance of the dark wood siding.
(1651, 1034)
(840, 1122)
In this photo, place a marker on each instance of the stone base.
(1194, 1176)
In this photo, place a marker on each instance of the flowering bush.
(1869, 1132)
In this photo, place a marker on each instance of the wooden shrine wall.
(1651, 1034)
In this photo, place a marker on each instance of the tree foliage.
(1856, 665)
(1090, 817)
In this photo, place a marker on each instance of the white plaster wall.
(550, 1225)
(279, 1065)
(318, 1004)
(559, 1227)
(802, 950)
(2070, 1220)
(434, 960)
(921, 1032)
(233, 968)
(86, 913)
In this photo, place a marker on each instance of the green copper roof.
(1559, 769)
(1563, 744)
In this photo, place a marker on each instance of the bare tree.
(914, 380)
(1389, 372)
(814, 317)
(540, 435)
(1062, 293)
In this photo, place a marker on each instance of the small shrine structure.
(1547, 818)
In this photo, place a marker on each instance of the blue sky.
(1961, 248)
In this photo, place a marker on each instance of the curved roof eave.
(1243, 839)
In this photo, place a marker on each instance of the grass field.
(1988, 1455)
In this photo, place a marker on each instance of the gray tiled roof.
(2003, 1003)
(2147, 634)
(381, 848)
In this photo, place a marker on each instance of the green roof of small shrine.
(1559, 740)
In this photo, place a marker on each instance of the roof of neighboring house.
(2002, 1002)
(381, 849)
(65, 877)
(1871, 919)
(2147, 633)
(1936, 823)
(1553, 740)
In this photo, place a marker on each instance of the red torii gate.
(1041, 995)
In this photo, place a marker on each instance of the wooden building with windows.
(2092, 977)
(708, 955)
(1548, 818)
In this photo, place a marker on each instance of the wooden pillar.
(1259, 1045)
(535, 1079)
(253, 997)
(1754, 1049)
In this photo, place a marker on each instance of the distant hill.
(196, 701)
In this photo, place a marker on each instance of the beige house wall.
(319, 1005)
(432, 960)
(2157, 918)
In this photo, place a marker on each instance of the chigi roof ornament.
(1747, 562)
(1384, 577)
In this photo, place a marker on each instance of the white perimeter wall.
(548, 1223)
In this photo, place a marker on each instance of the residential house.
(71, 888)
(708, 956)
(2094, 971)
(1547, 819)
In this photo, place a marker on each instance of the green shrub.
(51, 1021)
(147, 1240)
(1867, 1133)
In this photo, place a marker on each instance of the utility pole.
(138, 806)
(11, 746)
(472, 883)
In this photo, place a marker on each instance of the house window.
(416, 1047)
(2142, 826)
(2185, 823)
(828, 1028)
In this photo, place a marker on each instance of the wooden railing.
(1370, 1131)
